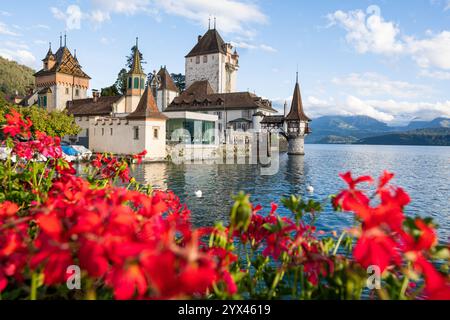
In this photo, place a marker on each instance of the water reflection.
(155, 175)
(423, 171)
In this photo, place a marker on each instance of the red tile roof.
(201, 97)
(166, 81)
(65, 63)
(147, 108)
(211, 42)
(297, 112)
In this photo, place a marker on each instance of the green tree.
(180, 80)
(121, 82)
(14, 77)
(54, 123)
(110, 91)
(130, 57)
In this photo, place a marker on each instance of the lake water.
(423, 171)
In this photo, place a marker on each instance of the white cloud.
(41, 26)
(434, 51)
(72, 16)
(128, 7)
(447, 6)
(423, 110)
(98, 16)
(5, 30)
(390, 111)
(40, 42)
(106, 41)
(267, 48)
(369, 32)
(439, 75)
(20, 55)
(250, 46)
(232, 16)
(16, 45)
(372, 84)
(5, 13)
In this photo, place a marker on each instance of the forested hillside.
(14, 76)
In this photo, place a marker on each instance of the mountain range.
(366, 130)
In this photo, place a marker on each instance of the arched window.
(136, 83)
(142, 83)
(129, 83)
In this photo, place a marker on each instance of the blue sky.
(386, 59)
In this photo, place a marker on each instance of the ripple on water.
(423, 171)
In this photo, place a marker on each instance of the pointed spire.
(49, 52)
(209, 23)
(215, 23)
(65, 39)
(136, 67)
(297, 113)
(147, 108)
(60, 39)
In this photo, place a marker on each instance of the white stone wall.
(116, 136)
(131, 103)
(164, 98)
(83, 123)
(120, 106)
(296, 146)
(61, 97)
(209, 70)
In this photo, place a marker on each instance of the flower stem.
(339, 242)
(404, 287)
(34, 280)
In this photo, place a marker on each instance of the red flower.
(376, 248)
(8, 209)
(13, 251)
(127, 281)
(16, 125)
(140, 156)
(352, 198)
(437, 287)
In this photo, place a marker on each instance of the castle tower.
(148, 126)
(61, 79)
(214, 60)
(297, 124)
(135, 82)
(166, 89)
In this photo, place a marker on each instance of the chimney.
(95, 95)
(199, 38)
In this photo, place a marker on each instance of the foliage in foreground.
(54, 123)
(136, 243)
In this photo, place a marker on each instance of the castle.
(156, 115)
